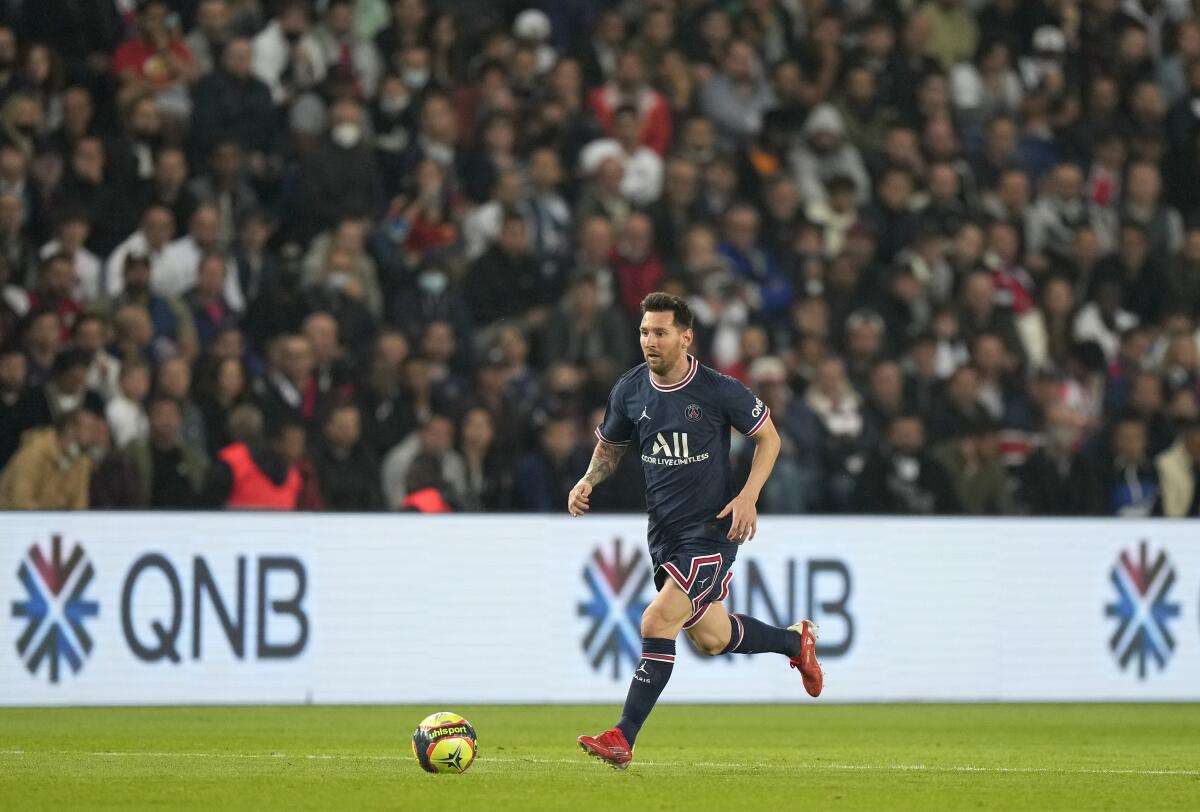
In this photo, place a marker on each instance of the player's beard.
(662, 364)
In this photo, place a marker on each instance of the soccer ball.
(444, 743)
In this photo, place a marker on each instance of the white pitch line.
(732, 765)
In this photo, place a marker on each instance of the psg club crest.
(692, 412)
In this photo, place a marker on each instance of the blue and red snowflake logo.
(1143, 610)
(616, 584)
(55, 609)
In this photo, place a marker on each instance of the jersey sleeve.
(745, 410)
(617, 428)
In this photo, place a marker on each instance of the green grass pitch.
(695, 757)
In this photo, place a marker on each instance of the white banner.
(216, 608)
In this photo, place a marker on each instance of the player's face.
(663, 343)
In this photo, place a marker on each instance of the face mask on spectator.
(432, 282)
(292, 36)
(416, 78)
(391, 105)
(338, 280)
(347, 135)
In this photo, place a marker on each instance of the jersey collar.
(675, 387)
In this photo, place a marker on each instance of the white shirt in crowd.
(643, 179)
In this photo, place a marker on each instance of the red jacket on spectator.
(426, 500)
(656, 115)
(251, 487)
(67, 310)
(636, 279)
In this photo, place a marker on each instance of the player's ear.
(686, 338)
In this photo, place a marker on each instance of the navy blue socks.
(750, 636)
(658, 658)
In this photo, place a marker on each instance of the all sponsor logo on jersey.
(671, 448)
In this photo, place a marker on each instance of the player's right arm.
(604, 461)
(612, 438)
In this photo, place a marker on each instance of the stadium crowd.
(372, 255)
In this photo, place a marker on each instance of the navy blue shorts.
(702, 568)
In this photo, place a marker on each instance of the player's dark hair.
(659, 302)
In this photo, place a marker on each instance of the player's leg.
(719, 632)
(715, 631)
(661, 622)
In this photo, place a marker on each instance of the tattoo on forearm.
(604, 462)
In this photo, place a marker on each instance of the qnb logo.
(616, 584)
(674, 451)
(1143, 610)
(55, 609)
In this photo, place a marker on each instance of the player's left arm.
(745, 514)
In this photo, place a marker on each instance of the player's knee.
(655, 623)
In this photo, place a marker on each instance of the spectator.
(353, 61)
(953, 32)
(505, 281)
(544, 477)
(358, 279)
(340, 178)
(489, 477)
(388, 416)
(972, 460)
(345, 465)
(174, 380)
(52, 468)
(64, 391)
(638, 269)
(14, 400)
(580, 331)
(902, 477)
(224, 189)
(748, 260)
(53, 292)
(435, 440)
(823, 151)
(156, 61)
(172, 329)
(1128, 484)
(125, 413)
(208, 38)
(1177, 468)
(426, 488)
(627, 87)
(289, 390)
(72, 232)
(737, 97)
(170, 474)
(641, 166)
(210, 311)
(255, 473)
(180, 267)
(228, 387)
(150, 242)
(287, 56)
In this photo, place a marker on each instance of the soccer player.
(678, 413)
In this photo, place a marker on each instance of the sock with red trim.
(658, 658)
(749, 635)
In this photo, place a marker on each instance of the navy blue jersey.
(682, 435)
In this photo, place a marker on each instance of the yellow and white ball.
(444, 743)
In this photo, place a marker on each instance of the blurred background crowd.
(373, 255)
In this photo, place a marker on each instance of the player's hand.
(745, 519)
(577, 502)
